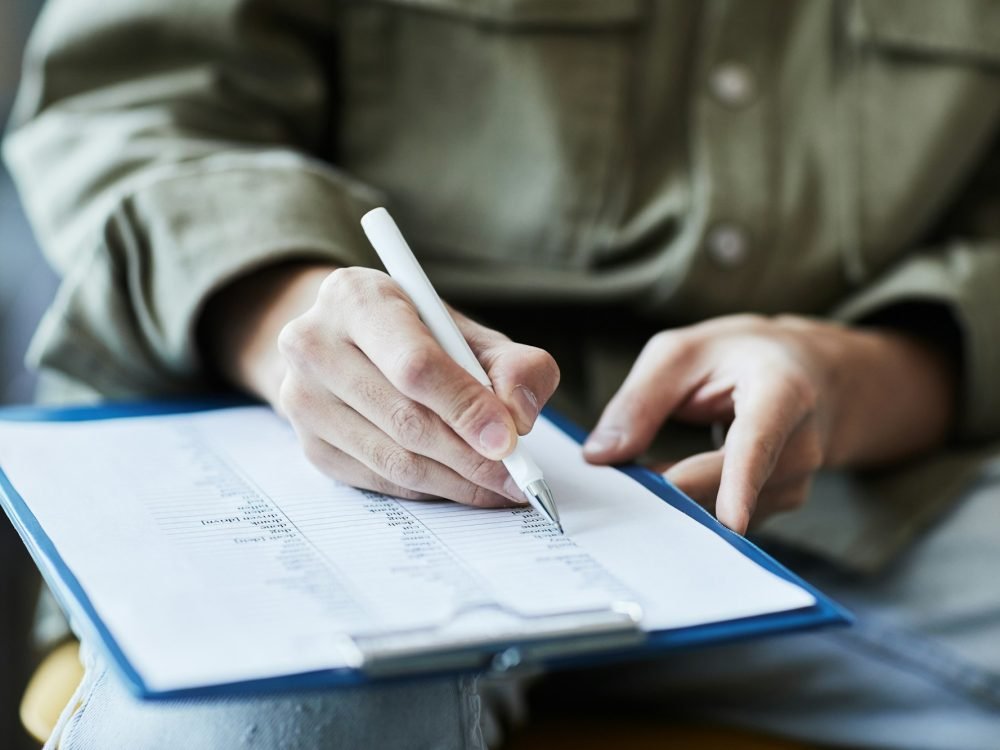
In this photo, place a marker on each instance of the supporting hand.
(799, 394)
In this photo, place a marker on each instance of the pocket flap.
(582, 13)
(968, 29)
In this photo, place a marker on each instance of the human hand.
(378, 404)
(800, 394)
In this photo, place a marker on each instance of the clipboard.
(555, 641)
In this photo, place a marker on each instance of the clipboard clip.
(535, 640)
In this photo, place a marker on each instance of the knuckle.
(298, 341)
(386, 487)
(673, 344)
(400, 466)
(523, 365)
(408, 423)
(481, 471)
(489, 343)
(329, 283)
(738, 323)
(341, 283)
(323, 457)
(769, 448)
(293, 398)
(749, 320)
(480, 497)
(787, 320)
(413, 368)
(472, 406)
(663, 340)
(302, 343)
(543, 363)
(354, 287)
(802, 391)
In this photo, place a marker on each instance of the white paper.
(214, 552)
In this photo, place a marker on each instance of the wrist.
(895, 397)
(238, 330)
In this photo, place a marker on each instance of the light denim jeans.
(920, 669)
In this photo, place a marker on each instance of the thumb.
(524, 377)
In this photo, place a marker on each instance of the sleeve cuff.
(125, 316)
(964, 279)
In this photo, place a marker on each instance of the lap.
(920, 668)
(427, 714)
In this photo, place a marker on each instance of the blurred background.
(26, 286)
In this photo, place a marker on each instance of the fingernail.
(603, 440)
(527, 404)
(514, 492)
(495, 439)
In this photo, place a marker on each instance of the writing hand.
(375, 401)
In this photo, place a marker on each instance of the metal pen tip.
(541, 494)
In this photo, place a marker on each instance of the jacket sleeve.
(957, 274)
(963, 279)
(163, 149)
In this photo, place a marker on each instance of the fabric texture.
(654, 163)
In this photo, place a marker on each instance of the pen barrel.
(405, 270)
(522, 467)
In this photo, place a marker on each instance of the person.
(781, 220)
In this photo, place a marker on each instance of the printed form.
(214, 552)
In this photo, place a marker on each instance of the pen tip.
(542, 495)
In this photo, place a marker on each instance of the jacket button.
(732, 84)
(727, 245)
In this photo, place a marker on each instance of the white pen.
(405, 270)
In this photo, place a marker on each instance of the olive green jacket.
(631, 164)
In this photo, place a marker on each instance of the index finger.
(403, 349)
(769, 406)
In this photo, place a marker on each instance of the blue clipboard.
(598, 648)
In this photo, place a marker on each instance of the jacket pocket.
(491, 125)
(565, 13)
(926, 103)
